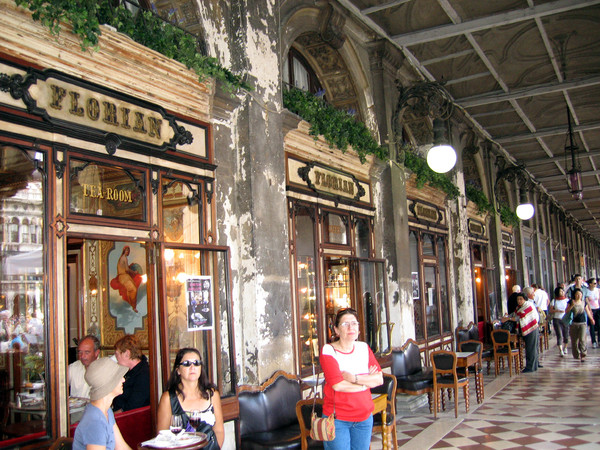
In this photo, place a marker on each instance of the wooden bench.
(268, 413)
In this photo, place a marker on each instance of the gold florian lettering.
(139, 122)
(93, 109)
(154, 125)
(109, 112)
(334, 183)
(428, 213)
(75, 109)
(58, 93)
(96, 191)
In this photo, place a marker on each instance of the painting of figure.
(128, 279)
(127, 275)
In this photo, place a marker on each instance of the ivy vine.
(476, 195)
(507, 216)
(339, 128)
(418, 165)
(144, 27)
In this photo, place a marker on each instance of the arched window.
(298, 73)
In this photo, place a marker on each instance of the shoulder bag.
(322, 428)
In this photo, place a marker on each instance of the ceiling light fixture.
(574, 174)
(441, 157)
(430, 99)
(525, 210)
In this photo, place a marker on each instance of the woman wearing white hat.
(97, 429)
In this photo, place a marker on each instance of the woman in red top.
(350, 370)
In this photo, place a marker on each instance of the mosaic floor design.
(554, 408)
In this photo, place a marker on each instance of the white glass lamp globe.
(441, 158)
(525, 211)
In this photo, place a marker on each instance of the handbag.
(568, 318)
(322, 428)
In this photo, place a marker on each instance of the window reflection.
(22, 322)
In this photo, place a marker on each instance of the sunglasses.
(189, 363)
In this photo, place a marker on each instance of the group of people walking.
(571, 311)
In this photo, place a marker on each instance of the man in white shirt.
(540, 298)
(88, 350)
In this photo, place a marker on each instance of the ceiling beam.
(553, 131)
(495, 20)
(531, 91)
(373, 9)
(560, 158)
(562, 177)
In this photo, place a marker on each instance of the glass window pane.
(416, 289)
(198, 308)
(22, 321)
(363, 238)
(337, 289)
(102, 190)
(301, 75)
(428, 244)
(431, 302)
(336, 230)
(306, 289)
(181, 219)
(377, 327)
(444, 300)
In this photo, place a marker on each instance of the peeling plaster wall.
(460, 255)
(250, 188)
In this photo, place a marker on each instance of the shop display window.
(23, 308)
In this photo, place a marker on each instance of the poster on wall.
(415, 285)
(198, 292)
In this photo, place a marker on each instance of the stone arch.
(336, 62)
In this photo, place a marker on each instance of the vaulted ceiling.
(514, 67)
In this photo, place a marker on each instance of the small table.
(466, 360)
(380, 406)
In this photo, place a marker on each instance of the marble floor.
(556, 407)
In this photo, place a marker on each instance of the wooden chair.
(388, 387)
(503, 349)
(474, 346)
(445, 376)
(471, 333)
(304, 413)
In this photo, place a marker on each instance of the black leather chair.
(473, 346)
(268, 413)
(411, 377)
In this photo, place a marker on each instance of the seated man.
(136, 389)
(88, 350)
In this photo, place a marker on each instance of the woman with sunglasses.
(350, 370)
(190, 393)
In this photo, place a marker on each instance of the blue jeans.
(351, 435)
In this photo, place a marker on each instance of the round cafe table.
(196, 445)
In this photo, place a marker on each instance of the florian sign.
(425, 212)
(95, 113)
(327, 181)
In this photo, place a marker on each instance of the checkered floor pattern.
(556, 407)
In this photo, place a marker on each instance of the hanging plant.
(339, 128)
(144, 27)
(476, 195)
(418, 166)
(508, 217)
